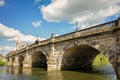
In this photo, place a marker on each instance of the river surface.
(105, 72)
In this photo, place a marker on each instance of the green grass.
(2, 63)
(100, 60)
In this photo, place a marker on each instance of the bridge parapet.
(85, 32)
(89, 31)
(44, 42)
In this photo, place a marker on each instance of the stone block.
(112, 60)
(16, 65)
(118, 72)
(27, 66)
(51, 67)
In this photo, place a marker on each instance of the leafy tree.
(100, 60)
(2, 63)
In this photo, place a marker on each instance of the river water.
(105, 72)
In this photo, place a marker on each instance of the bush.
(2, 63)
(100, 60)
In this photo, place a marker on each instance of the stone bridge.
(75, 50)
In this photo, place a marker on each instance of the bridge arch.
(39, 59)
(82, 56)
(78, 57)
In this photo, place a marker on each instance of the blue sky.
(32, 18)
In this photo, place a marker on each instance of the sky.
(32, 19)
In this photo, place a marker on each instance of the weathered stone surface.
(16, 64)
(79, 57)
(119, 59)
(27, 65)
(101, 38)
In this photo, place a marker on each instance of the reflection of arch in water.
(26, 71)
(55, 75)
(21, 59)
(79, 57)
(12, 61)
(39, 60)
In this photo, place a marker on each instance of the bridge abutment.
(16, 64)
(54, 61)
(26, 64)
(118, 68)
(51, 64)
(118, 56)
(10, 62)
(27, 61)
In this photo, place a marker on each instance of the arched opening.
(82, 57)
(21, 59)
(79, 57)
(39, 60)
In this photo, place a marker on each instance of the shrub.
(2, 63)
(100, 60)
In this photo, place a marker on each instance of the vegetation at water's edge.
(100, 60)
(3, 63)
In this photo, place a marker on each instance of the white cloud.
(6, 49)
(36, 23)
(2, 3)
(87, 12)
(12, 35)
(6, 32)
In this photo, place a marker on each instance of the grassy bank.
(100, 60)
(3, 63)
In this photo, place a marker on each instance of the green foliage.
(2, 63)
(100, 60)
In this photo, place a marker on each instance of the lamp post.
(76, 25)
